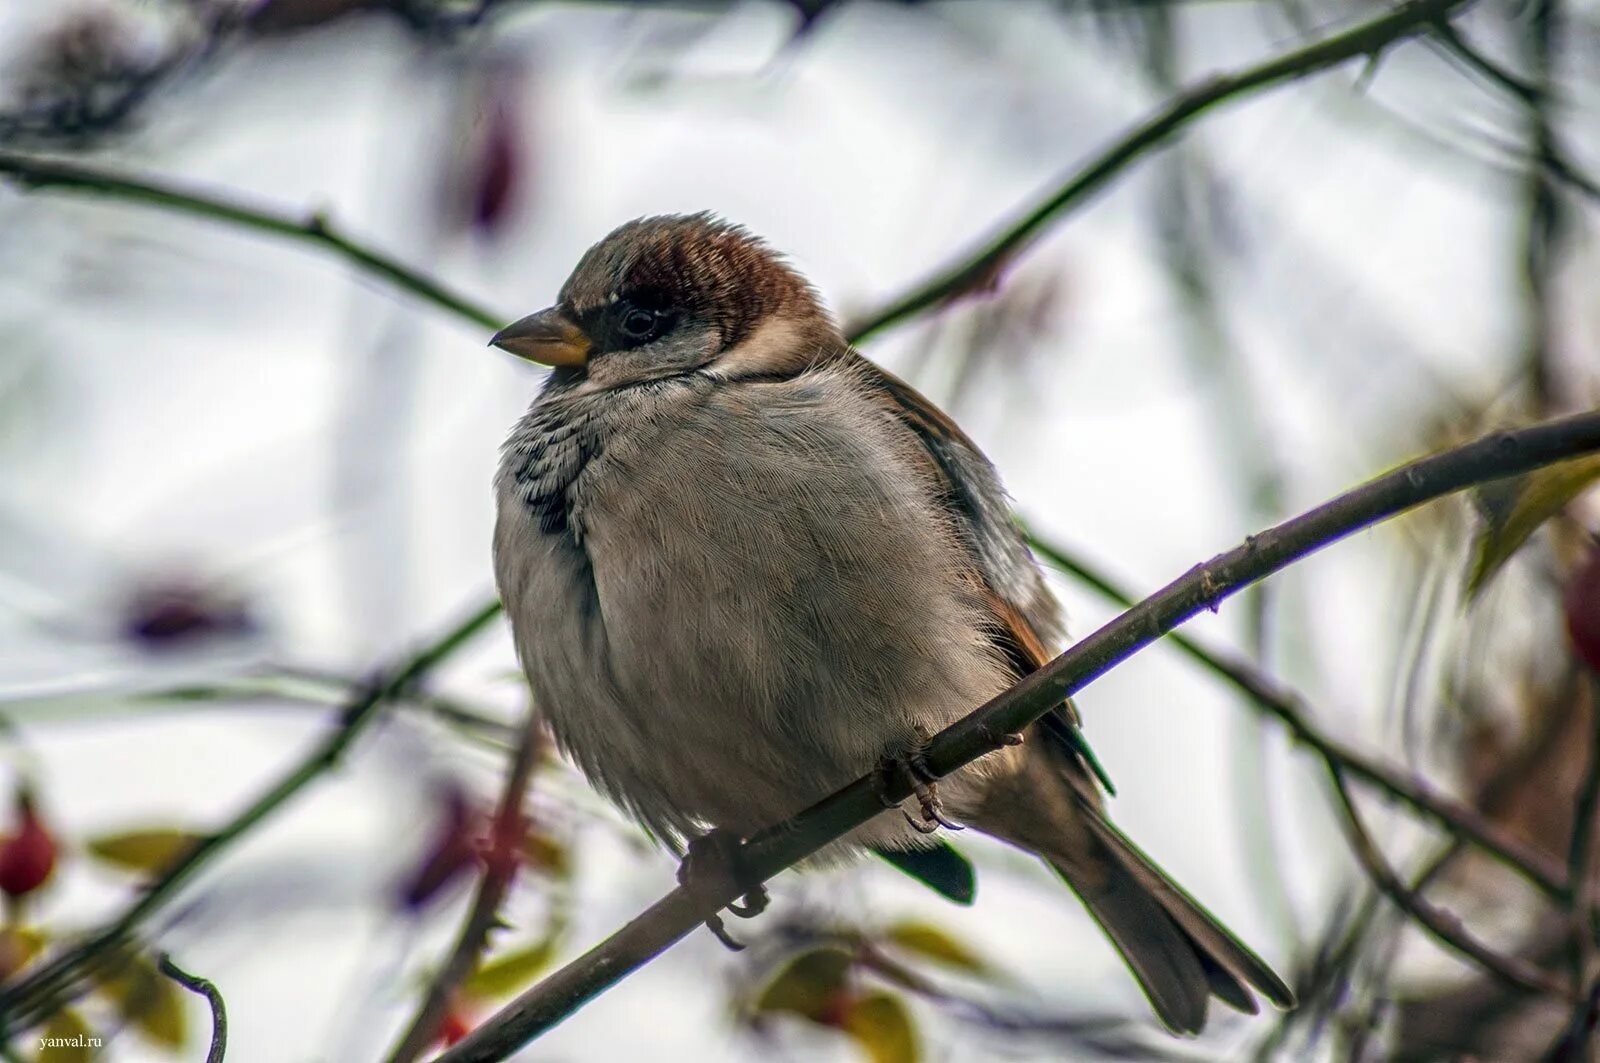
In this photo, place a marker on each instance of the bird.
(744, 566)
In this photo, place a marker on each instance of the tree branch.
(1581, 863)
(1441, 925)
(1289, 708)
(32, 171)
(1367, 39)
(498, 872)
(977, 268)
(213, 995)
(1205, 586)
(39, 992)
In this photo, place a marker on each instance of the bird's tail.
(1044, 801)
(1178, 951)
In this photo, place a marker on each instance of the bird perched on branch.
(743, 566)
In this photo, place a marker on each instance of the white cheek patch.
(773, 345)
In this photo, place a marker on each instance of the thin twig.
(40, 991)
(293, 686)
(1287, 706)
(213, 995)
(976, 268)
(1443, 926)
(987, 729)
(1367, 39)
(1581, 863)
(1527, 91)
(483, 916)
(32, 171)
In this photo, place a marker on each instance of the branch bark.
(978, 267)
(213, 995)
(1205, 586)
(483, 916)
(38, 992)
(33, 171)
(1367, 39)
(1443, 926)
(1289, 708)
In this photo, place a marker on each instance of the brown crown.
(699, 264)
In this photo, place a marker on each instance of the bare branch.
(1443, 926)
(32, 171)
(1581, 869)
(977, 268)
(39, 992)
(213, 995)
(483, 916)
(1287, 706)
(1205, 586)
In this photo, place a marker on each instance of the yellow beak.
(548, 337)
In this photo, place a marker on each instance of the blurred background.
(241, 476)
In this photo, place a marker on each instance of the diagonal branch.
(38, 993)
(977, 268)
(32, 171)
(1205, 586)
(1287, 707)
(1443, 926)
(484, 915)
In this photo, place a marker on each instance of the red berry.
(28, 856)
(1581, 604)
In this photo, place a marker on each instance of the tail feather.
(1226, 987)
(1211, 939)
(1179, 953)
(1162, 958)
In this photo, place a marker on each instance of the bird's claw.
(912, 769)
(712, 865)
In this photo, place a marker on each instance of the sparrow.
(744, 566)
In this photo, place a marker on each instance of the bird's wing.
(1026, 616)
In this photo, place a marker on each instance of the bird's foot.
(713, 866)
(911, 769)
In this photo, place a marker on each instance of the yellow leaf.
(19, 945)
(514, 971)
(881, 1025)
(1514, 509)
(150, 1001)
(151, 851)
(810, 985)
(935, 944)
(68, 1039)
(546, 855)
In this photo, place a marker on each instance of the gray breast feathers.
(733, 598)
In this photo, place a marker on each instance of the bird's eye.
(637, 324)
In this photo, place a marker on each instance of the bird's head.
(673, 294)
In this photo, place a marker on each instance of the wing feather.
(1026, 619)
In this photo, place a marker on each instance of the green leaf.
(150, 851)
(1514, 509)
(943, 870)
(150, 1001)
(67, 1038)
(934, 944)
(514, 971)
(809, 985)
(881, 1025)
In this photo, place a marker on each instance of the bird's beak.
(549, 337)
